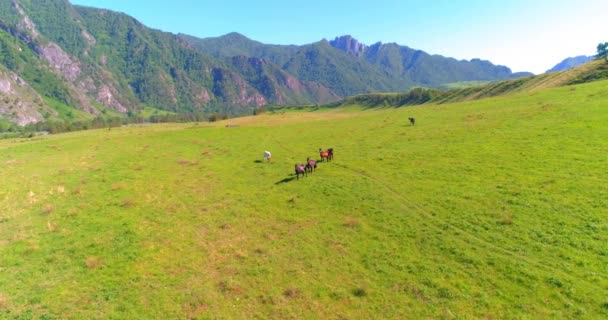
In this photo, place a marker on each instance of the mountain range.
(61, 61)
(570, 63)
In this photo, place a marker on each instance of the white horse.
(267, 155)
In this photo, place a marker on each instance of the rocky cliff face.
(230, 84)
(349, 45)
(19, 103)
(278, 86)
(105, 60)
(86, 82)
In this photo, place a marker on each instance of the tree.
(602, 50)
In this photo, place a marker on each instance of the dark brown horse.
(330, 151)
(412, 120)
(311, 165)
(300, 169)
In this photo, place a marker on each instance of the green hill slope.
(589, 72)
(493, 208)
(340, 72)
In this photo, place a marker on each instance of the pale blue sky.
(525, 35)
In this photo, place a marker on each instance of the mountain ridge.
(79, 61)
(394, 67)
(571, 62)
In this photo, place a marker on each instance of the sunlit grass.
(486, 209)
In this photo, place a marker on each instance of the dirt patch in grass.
(4, 302)
(13, 162)
(414, 291)
(47, 209)
(228, 287)
(93, 262)
(118, 186)
(51, 226)
(505, 219)
(127, 203)
(292, 293)
(337, 247)
(194, 312)
(185, 162)
(351, 222)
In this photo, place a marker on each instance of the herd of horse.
(311, 165)
(326, 155)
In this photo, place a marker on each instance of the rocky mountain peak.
(349, 45)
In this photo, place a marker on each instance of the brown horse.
(324, 155)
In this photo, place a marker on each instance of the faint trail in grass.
(493, 247)
(498, 249)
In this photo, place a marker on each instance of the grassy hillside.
(589, 72)
(490, 209)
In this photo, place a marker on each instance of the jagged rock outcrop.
(278, 86)
(19, 103)
(349, 45)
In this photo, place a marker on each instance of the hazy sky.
(525, 35)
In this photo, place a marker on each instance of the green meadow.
(487, 209)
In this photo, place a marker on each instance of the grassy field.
(463, 84)
(490, 209)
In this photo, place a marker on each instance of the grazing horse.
(300, 169)
(412, 120)
(311, 165)
(267, 155)
(323, 154)
(330, 151)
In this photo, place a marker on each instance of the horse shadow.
(286, 180)
(258, 161)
